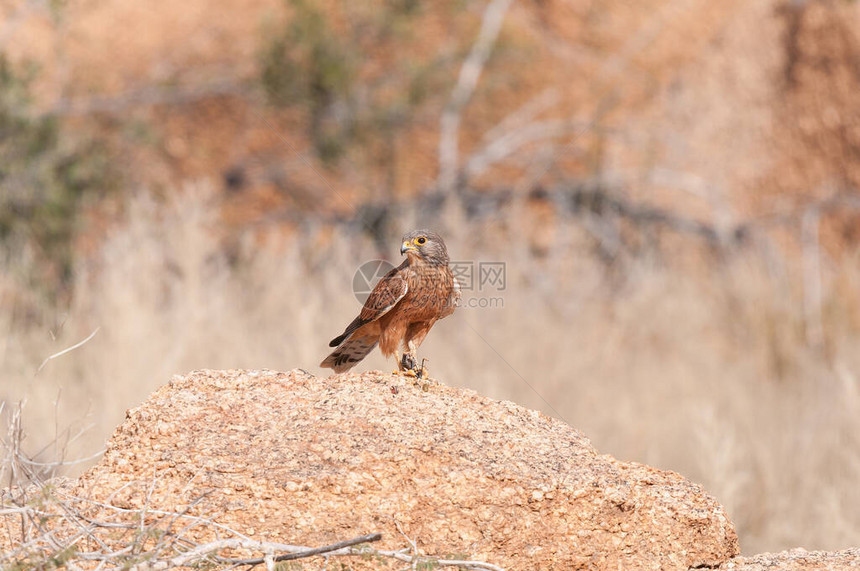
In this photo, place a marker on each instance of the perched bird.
(402, 307)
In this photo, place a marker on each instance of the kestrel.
(402, 307)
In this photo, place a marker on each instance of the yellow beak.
(407, 247)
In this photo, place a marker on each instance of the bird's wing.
(385, 295)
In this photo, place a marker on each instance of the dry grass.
(700, 366)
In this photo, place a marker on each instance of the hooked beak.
(407, 247)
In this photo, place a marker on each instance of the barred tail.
(349, 353)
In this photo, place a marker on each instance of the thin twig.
(64, 351)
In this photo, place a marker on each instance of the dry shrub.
(700, 367)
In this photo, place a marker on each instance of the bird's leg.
(399, 362)
(410, 360)
(407, 365)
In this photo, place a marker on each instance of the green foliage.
(37, 561)
(306, 61)
(46, 174)
(59, 560)
(310, 63)
(307, 64)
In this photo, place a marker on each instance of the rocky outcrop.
(294, 458)
(243, 462)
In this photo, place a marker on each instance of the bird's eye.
(421, 240)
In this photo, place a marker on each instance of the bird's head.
(426, 246)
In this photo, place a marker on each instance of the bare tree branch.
(150, 95)
(470, 72)
(525, 113)
(507, 144)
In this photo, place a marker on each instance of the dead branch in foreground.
(43, 526)
(46, 527)
(202, 551)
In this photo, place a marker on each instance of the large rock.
(299, 459)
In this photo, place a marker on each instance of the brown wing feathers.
(384, 296)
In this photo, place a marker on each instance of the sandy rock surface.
(293, 458)
(796, 560)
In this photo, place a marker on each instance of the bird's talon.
(407, 362)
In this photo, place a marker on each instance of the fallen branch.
(306, 552)
(172, 549)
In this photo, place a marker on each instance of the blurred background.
(671, 186)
